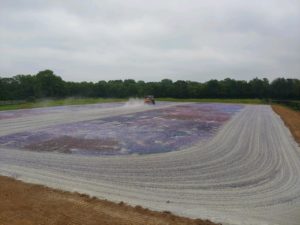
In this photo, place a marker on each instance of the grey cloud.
(151, 40)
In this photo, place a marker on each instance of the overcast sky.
(150, 40)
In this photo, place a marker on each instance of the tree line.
(46, 84)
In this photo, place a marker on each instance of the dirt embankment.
(291, 119)
(29, 204)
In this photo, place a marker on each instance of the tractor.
(149, 99)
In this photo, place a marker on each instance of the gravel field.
(152, 131)
(248, 173)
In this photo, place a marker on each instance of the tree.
(130, 89)
(180, 89)
(101, 89)
(259, 88)
(47, 84)
(26, 89)
(166, 88)
(212, 89)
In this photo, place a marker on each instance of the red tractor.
(149, 99)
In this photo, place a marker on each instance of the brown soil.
(291, 119)
(29, 204)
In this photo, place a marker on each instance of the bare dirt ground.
(291, 119)
(29, 204)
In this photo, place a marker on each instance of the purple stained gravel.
(13, 114)
(154, 131)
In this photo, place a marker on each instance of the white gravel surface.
(249, 173)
